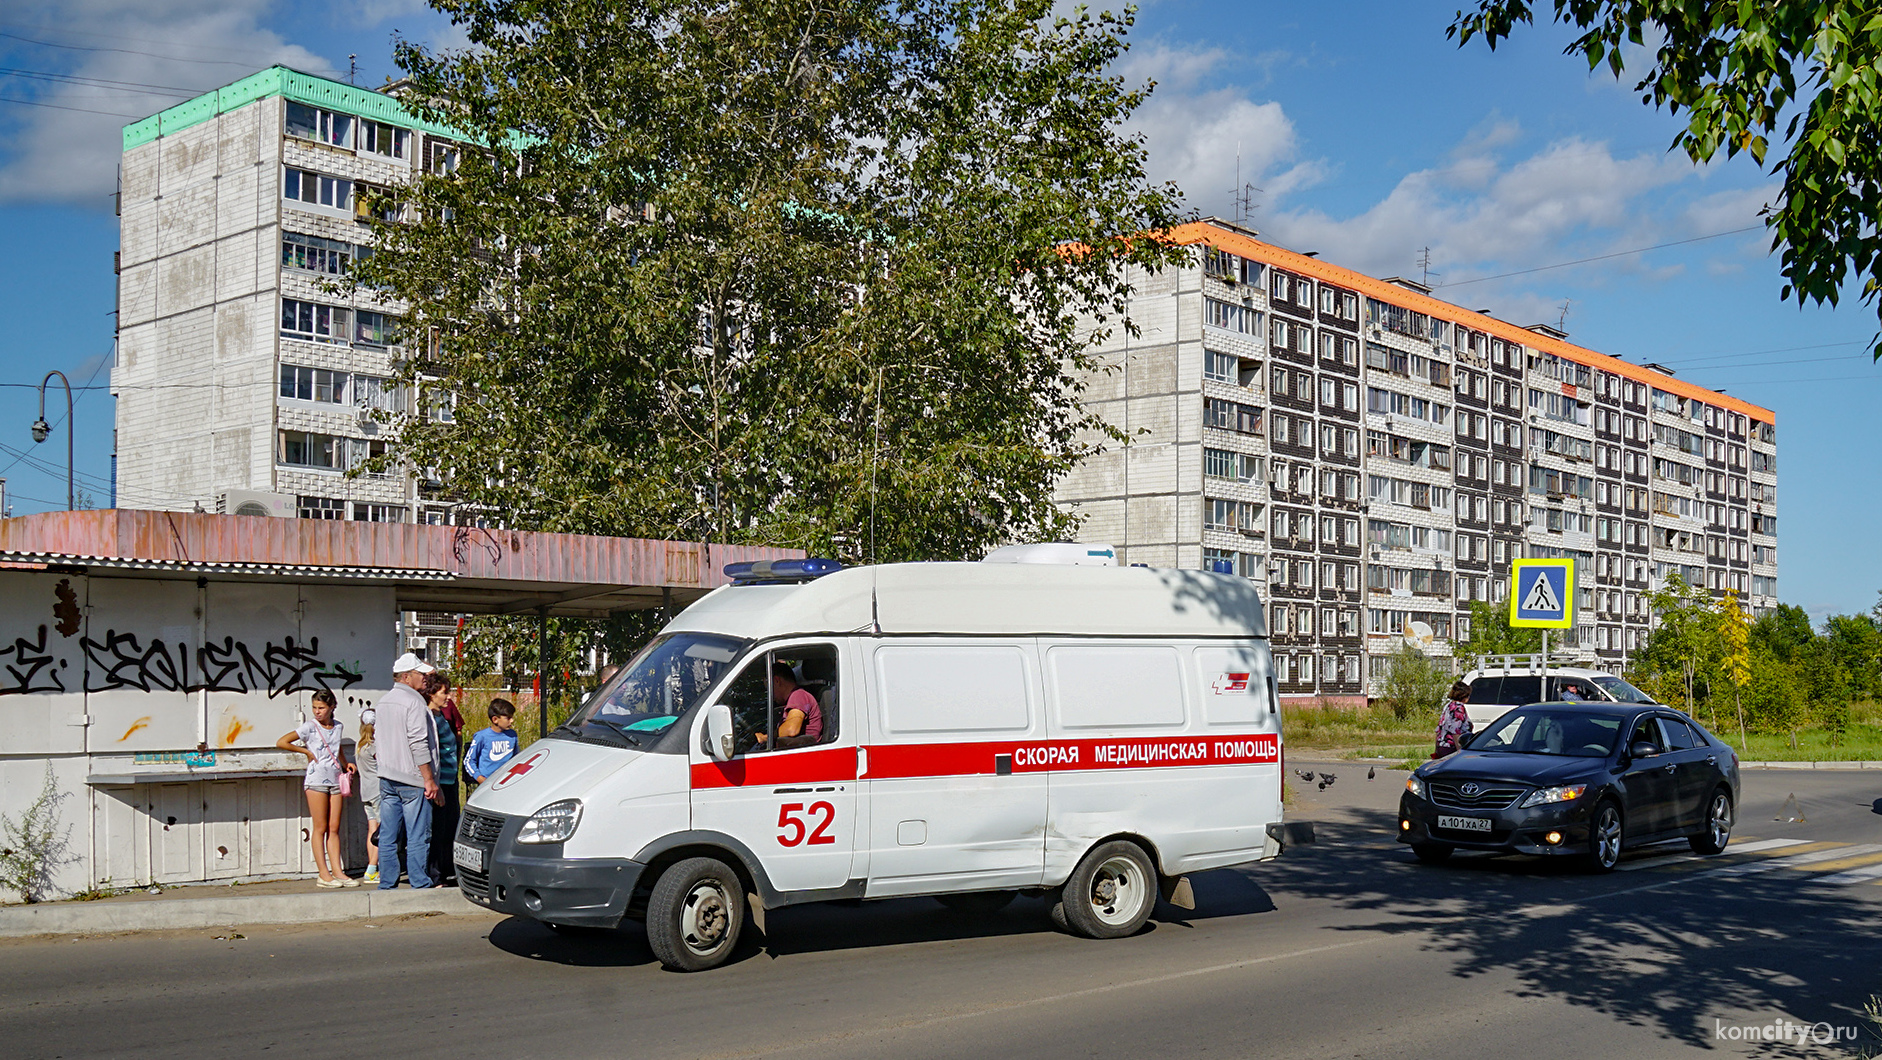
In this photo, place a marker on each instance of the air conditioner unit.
(255, 502)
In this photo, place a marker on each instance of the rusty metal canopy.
(433, 568)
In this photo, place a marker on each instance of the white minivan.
(980, 730)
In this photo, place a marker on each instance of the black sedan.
(1579, 779)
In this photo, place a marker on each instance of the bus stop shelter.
(149, 660)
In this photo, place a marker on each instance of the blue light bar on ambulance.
(780, 570)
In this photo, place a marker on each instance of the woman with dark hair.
(437, 693)
(1453, 721)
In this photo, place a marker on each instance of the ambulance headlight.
(553, 823)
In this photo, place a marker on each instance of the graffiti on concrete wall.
(125, 660)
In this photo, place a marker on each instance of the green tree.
(1742, 72)
(1682, 653)
(1785, 631)
(1413, 682)
(811, 275)
(1490, 634)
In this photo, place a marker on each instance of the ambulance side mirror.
(719, 731)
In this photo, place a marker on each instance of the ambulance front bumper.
(534, 880)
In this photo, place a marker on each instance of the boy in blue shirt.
(492, 747)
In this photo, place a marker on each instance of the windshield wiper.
(581, 733)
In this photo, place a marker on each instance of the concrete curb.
(1860, 764)
(90, 918)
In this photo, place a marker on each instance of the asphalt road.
(1347, 948)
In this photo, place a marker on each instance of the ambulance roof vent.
(780, 571)
(1063, 553)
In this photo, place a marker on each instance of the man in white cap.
(408, 773)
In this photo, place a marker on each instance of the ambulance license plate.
(469, 856)
(1461, 824)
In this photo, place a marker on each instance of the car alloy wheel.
(1718, 825)
(1605, 840)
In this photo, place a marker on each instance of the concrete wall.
(121, 677)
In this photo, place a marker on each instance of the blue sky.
(1370, 136)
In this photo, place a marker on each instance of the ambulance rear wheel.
(977, 901)
(1110, 894)
(694, 915)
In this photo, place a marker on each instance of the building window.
(321, 508)
(1221, 367)
(378, 513)
(382, 139)
(325, 126)
(1230, 316)
(374, 329)
(313, 384)
(313, 321)
(314, 254)
(301, 449)
(1231, 416)
(1236, 467)
(303, 185)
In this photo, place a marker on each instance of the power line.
(56, 106)
(97, 82)
(123, 51)
(137, 40)
(1600, 257)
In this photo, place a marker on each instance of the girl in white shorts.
(321, 741)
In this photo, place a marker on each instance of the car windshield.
(650, 693)
(1571, 733)
(1622, 691)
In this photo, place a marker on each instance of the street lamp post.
(41, 428)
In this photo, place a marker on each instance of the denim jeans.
(404, 814)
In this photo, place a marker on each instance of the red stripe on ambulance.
(912, 761)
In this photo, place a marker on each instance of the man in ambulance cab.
(800, 721)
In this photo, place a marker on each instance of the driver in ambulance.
(800, 723)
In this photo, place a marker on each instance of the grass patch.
(1348, 728)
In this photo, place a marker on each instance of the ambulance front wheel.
(695, 914)
(1110, 894)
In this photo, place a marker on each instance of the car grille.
(480, 828)
(474, 883)
(1487, 796)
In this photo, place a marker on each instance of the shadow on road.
(1663, 951)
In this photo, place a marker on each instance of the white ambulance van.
(966, 731)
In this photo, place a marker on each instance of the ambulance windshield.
(651, 692)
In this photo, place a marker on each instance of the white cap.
(409, 662)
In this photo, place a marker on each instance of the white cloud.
(185, 46)
(1199, 136)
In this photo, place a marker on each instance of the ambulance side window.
(755, 709)
(749, 697)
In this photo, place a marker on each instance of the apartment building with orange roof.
(1374, 457)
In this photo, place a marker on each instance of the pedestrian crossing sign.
(1542, 594)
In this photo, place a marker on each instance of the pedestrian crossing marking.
(1857, 861)
(1866, 874)
(1830, 852)
(1664, 860)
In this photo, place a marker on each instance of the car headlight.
(553, 823)
(1544, 796)
(1416, 785)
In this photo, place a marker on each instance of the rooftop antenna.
(1424, 266)
(1242, 196)
(1561, 322)
(352, 68)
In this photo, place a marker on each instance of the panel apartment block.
(1374, 458)
(243, 366)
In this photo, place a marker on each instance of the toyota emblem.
(1469, 789)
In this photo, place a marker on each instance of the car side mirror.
(719, 731)
(1642, 749)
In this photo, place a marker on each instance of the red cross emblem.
(522, 767)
